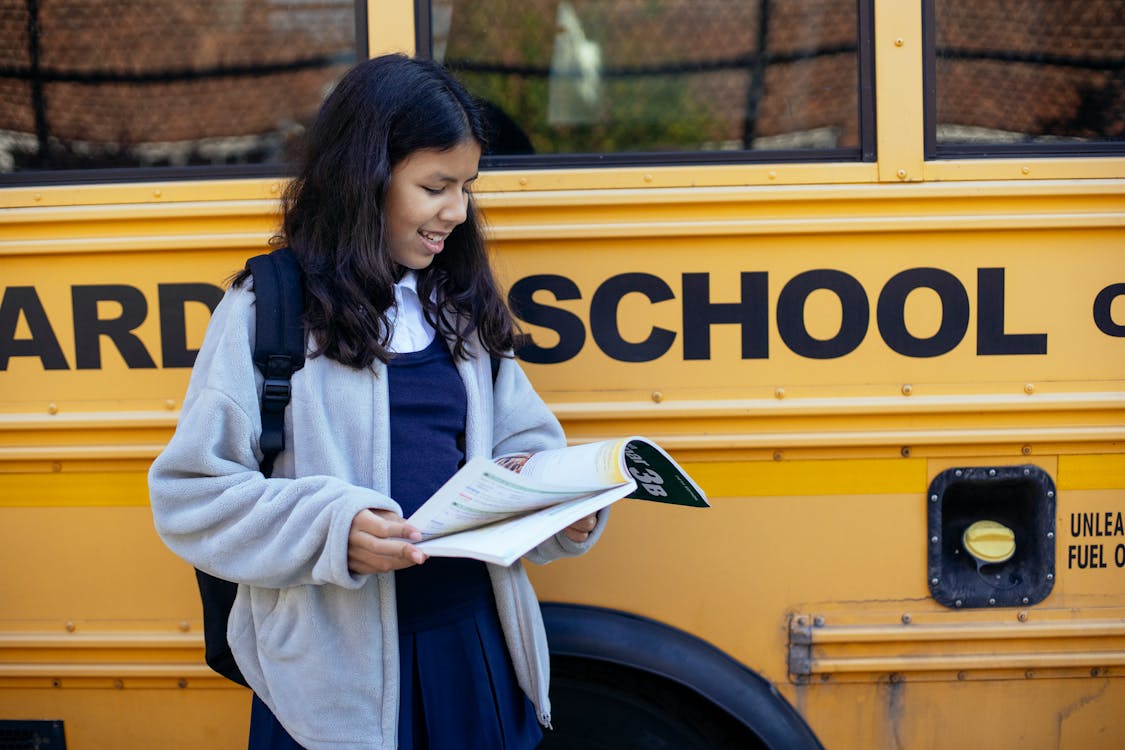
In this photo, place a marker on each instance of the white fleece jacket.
(318, 644)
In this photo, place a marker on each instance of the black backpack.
(279, 351)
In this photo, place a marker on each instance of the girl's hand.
(579, 531)
(379, 542)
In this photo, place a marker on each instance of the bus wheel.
(602, 706)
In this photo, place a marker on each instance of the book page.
(596, 463)
(505, 542)
(483, 492)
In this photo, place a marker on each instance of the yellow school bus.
(858, 264)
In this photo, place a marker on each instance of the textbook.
(497, 510)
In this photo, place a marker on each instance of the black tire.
(601, 706)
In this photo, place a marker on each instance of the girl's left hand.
(579, 531)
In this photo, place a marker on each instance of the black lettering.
(43, 342)
(891, 308)
(991, 338)
(1085, 556)
(603, 317)
(1103, 317)
(791, 314)
(751, 312)
(569, 327)
(89, 328)
(173, 299)
(1119, 556)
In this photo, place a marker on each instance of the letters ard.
(699, 313)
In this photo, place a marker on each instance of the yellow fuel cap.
(989, 542)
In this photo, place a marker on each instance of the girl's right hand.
(379, 542)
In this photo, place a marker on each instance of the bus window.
(748, 80)
(85, 86)
(1032, 75)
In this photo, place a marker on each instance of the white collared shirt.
(411, 333)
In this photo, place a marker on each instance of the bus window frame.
(934, 151)
(866, 152)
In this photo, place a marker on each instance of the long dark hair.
(382, 111)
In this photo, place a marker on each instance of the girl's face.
(427, 198)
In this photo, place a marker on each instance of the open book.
(497, 510)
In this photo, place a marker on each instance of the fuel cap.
(989, 542)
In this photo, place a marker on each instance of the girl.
(348, 636)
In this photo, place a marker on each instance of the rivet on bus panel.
(169, 404)
(906, 619)
(1022, 616)
(778, 455)
(157, 193)
(905, 451)
(52, 408)
(779, 393)
(899, 41)
(1029, 388)
(523, 182)
(1026, 450)
(70, 626)
(901, 174)
(907, 389)
(182, 683)
(648, 178)
(184, 626)
(1025, 170)
(118, 685)
(818, 621)
(657, 396)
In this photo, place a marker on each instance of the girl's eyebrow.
(442, 177)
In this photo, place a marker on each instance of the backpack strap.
(279, 351)
(279, 341)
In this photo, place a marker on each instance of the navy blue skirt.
(458, 689)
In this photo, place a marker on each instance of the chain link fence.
(1010, 71)
(126, 83)
(604, 76)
